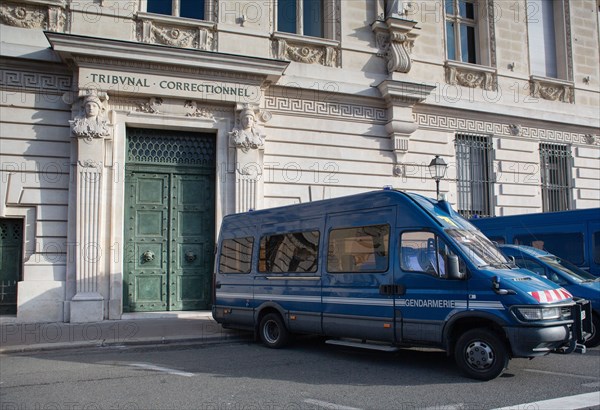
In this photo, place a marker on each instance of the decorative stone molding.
(176, 32)
(395, 39)
(193, 110)
(37, 15)
(326, 109)
(451, 124)
(471, 75)
(35, 81)
(401, 97)
(592, 139)
(306, 50)
(515, 129)
(552, 89)
(92, 122)
(151, 106)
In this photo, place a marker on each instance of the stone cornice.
(404, 92)
(70, 46)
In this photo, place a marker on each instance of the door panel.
(428, 298)
(169, 221)
(192, 234)
(147, 241)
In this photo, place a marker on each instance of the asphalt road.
(306, 375)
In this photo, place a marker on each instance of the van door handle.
(218, 285)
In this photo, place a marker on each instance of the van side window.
(568, 246)
(289, 252)
(359, 249)
(425, 252)
(236, 255)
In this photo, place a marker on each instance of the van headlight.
(539, 313)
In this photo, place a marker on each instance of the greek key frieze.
(326, 109)
(447, 123)
(35, 81)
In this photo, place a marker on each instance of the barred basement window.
(474, 175)
(555, 166)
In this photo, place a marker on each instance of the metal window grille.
(474, 175)
(555, 166)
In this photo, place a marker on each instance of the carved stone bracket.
(401, 97)
(552, 89)
(92, 120)
(45, 15)
(471, 75)
(395, 38)
(305, 50)
(175, 32)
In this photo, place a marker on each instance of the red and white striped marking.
(550, 296)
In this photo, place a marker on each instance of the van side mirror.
(453, 268)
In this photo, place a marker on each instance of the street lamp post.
(437, 169)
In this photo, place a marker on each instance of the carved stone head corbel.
(247, 135)
(91, 122)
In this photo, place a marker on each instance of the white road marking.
(162, 369)
(326, 405)
(580, 401)
(580, 376)
(457, 406)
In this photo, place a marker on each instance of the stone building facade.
(130, 128)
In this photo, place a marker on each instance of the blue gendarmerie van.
(388, 269)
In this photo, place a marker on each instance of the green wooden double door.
(11, 262)
(169, 221)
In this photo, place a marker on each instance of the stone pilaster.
(248, 140)
(91, 129)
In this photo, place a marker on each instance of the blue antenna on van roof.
(388, 187)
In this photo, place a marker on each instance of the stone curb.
(146, 342)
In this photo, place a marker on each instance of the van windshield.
(576, 274)
(478, 248)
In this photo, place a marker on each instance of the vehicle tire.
(272, 331)
(595, 339)
(480, 354)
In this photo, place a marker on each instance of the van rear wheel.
(273, 332)
(480, 354)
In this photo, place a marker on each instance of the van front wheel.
(273, 332)
(480, 354)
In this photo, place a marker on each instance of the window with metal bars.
(474, 175)
(555, 167)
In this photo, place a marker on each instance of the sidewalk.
(132, 329)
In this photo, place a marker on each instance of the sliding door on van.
(357, 277)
